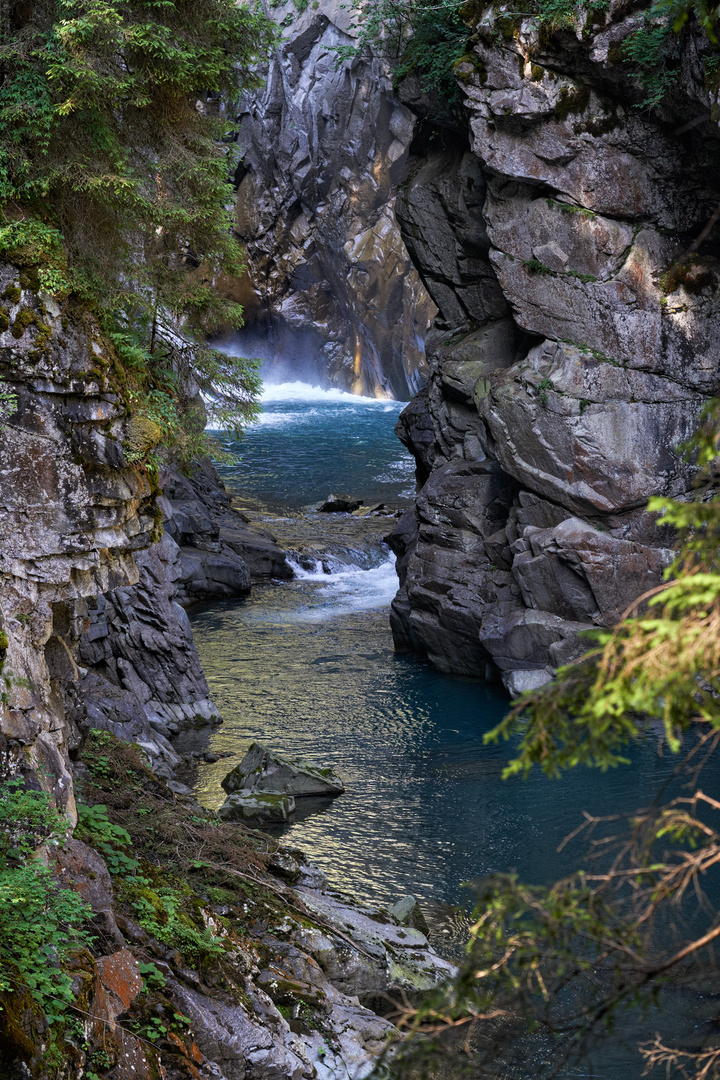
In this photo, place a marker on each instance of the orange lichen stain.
(118, 984)
(192, 1053)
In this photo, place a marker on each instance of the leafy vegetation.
(564, 964)
(649, 48)
(162, 856)
(114, 180)
(195, 887)
(41, 923)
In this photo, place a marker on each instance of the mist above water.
(286, 355)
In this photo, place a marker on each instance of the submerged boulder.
(268, 807)
(262, 770)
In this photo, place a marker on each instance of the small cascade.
(347, 587)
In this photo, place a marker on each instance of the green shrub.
(109, 839)
(41, 923)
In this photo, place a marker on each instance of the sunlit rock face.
(567, 364)
(330, 289)
(74, 512)
(91, 631)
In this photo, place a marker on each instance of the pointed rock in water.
(265, 807)
(408, 912)
(263, 770)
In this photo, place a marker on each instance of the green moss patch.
(694, 274)
(572, 100)
(12, 293)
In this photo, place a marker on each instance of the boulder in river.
(261, 807)
(339, 504)
(262, 770)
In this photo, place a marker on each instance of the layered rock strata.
(330, 292)
(576, 343)
(143, 680)
(74, 513)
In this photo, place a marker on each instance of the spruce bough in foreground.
(566, 965)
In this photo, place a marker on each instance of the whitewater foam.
(283, 419)
(345, 591)
(302, 391)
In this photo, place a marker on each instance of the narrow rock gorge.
(330, 291)
(533, 265)
(548, 220)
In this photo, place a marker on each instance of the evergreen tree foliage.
(114, 176)
(418, 37)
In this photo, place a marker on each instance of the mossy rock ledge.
(265, 807)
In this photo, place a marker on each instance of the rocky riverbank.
(219, 954)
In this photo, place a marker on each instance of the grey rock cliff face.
(329, 280)
(144, 680)
(74, 513)
(567, 366)
(92, 600)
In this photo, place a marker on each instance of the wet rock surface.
(221, 552)
(262, 770)
(329, 282)
(336, 504)
(258, 806)
(567, 363)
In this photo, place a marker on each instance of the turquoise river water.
(308, 667)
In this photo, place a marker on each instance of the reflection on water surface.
(308, 667)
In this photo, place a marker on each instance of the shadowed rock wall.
(330, 285)
(566, 363)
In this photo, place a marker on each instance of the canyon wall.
(330, 292)
(271, 977)
(75, 512)
(576, 342)
(97, 561)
